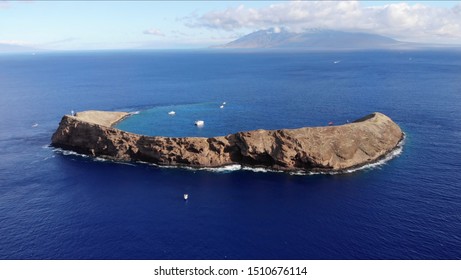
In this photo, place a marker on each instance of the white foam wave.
(134, 113)
(224, 169)
(259, 169)
(69, 153)
(100, 159)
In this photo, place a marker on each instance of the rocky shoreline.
(319, 149)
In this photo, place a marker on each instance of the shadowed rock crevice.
(331, 148)
(303, 161)
(367, 117)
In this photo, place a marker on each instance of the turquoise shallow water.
(56, 205)
(158, 121)
(231, 118)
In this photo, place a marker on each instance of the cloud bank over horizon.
(412, 22)
(200, 24)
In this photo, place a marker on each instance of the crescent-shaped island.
(317, 149)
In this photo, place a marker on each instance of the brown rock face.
(331, 148)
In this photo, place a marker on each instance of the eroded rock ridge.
(330, 148)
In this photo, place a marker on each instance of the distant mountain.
(10, 48)
(312, 39)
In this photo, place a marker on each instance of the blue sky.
(79, 25)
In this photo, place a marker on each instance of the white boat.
(222, 106)
(35, 125)
(186, 196)
(172, 113)
(199, 123)
(224, 103)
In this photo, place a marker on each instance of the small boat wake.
(199, 123)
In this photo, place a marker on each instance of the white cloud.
(15, 43)
(417, 22)
(153, 31)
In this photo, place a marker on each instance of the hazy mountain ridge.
(313, 39)
(12, 48)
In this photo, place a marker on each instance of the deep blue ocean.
(59, 206)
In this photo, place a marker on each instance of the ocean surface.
(58, 205)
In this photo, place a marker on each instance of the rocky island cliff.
(330, 148)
